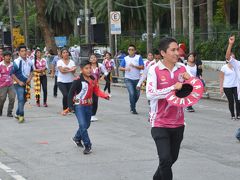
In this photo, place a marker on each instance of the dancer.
(66, 70)
(40, 78)
(22, 73)
(6, 83)
(99, 73)
(132, 65)
(80, 96)
(54, 72)
(109, 66)
(167, 121)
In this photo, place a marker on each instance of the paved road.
(123, 149)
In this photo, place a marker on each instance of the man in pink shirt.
(6, 83)
(167, 121)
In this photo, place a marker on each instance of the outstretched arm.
(231, 41)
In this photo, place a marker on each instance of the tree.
(149, 25)
(210, 18)
(185, 17)
(191, 26)
(203, 18)
(45, 28)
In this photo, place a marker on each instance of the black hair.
(64, 49)
(194, 55)
(5, 53)
(107, 53)
(84, 63)
(22, 47)
(93, 54)
(156, 52)
(132, 45)
(164, 43)
(35, 57)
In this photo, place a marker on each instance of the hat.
(5, 53)
(190, 94)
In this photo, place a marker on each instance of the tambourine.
(191, 92)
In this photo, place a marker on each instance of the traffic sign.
(115, 20)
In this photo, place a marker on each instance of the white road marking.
(11, 172)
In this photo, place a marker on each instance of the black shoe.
(9, 115)
(77, 142)
(134, 112)
(87, 150)
(55, 96)
(0, 113)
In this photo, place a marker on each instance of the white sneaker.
(94, 118)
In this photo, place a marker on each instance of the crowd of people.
(164, 71)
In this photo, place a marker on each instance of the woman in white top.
(65, 77)
(228, 85)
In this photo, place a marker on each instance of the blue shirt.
(54, 63)
(134, 73)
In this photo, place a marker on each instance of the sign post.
(115, 17)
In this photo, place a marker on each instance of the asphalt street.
(41, 149)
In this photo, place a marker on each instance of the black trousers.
(232, 95)
(64, 88)
(55, 87)
(108, 83)
(43, 84)
(95, 104)
(168, 141)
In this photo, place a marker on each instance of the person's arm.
(151, 88)
(53, 65)
(76, 85)
(99, 93)
(14, 77)
(143, 77)
(231, 41)
(103, 70)
(123, 66)
(30, 76)
(221, 78)
(140, 64)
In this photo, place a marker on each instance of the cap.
(190, 94)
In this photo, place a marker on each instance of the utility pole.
(238, 14)
(185, 17)
(25, 22)
(10, 10)
(191, 26)
(149, 26)
(86, 11)
(110, 37)
(210, 17)
(173, 16)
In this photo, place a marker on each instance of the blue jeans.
(83, 114)
(20, 91)
(133, 92)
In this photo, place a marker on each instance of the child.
(109, 65)
(6, 83)
(80, 99)
(97, 70)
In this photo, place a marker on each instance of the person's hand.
(231, 40)
(132, 65)
(102, 78)
(128, 69)
(21, 83)
(221, 90)
(28, 81)
(52, 75)
(186, 76)
(108, 97)
(178, 86)
(138, 88)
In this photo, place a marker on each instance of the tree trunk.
(10, 10)
(179, 16)
(25, 9)
(210, 18)
(238, 14)
(227, 11)
(110, 37)
(185, 17)
(203, 19)
(149, 25)
(173, 16)
(191, 26)
(46, 30)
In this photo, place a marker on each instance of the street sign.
(115, 20)
(93, 20)
(61, 41)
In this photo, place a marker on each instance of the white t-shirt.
(230, 77)
(192, 70)
(65, 77)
